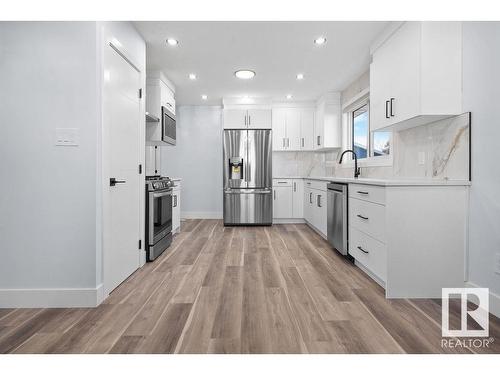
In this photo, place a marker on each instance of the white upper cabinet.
(235, 118)
(293, 129)
(328, 126)
(307, 129)
(416, 75)
(158, 94)
(259, 118)
(245, 118)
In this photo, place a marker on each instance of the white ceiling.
(276, 51)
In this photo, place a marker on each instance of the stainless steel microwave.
(168, 130)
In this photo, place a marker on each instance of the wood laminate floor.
(278, 289)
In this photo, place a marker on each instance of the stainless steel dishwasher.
(337, 216)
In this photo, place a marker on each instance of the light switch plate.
(421, 158)
(67, 136)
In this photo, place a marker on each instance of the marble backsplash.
(439, 150)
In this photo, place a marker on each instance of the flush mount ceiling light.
(192, 76)
(244, 74)
(204, 97)
(320, 40)
(172, 42)
(300, 76)
(289, 96)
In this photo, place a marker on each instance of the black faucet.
(356, 169)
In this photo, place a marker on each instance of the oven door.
(168, 125)
(160, 215)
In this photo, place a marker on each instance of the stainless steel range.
(158, 215)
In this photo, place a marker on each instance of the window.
(367, 145)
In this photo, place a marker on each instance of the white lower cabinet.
(176, 207)
(298, 198)
(288, 200)
(315, 205)
(372, 254)
(282, 202)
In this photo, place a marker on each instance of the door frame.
(104, 216)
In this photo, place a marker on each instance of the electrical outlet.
(497, 264)
(421, 158)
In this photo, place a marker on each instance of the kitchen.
(286, 191)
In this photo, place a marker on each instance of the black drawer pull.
(363, 250)
(362, 217)
(362, 192)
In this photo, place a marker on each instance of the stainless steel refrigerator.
(248, 177)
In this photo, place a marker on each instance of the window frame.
(348, 137)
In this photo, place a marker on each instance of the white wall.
(48, 193)
(481, 88)
(197, 159)
(51, 197)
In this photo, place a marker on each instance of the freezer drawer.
(248, 207)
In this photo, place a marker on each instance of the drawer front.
(367, 217)
(368, 193)
(316, 184)
(369, 252)
(282, 182)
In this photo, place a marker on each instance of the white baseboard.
(288, 221)
(494, 299)
(33, 298)
(201, 215)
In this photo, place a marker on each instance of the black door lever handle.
(113, 181)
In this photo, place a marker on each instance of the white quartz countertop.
(383, 182)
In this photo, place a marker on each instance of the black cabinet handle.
(319, 140)
(387, 109)
(362, 192)
(362, 217)
(274, 193)
(113, 181)
(310, 198)
(392, 102)
(363, 250)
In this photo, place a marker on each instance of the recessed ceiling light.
(244, 74)
(172, 42)
(192, 76)
(300, 76)
(319, 41)
(204, 97)
(289, 96)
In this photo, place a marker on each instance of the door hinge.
(140, 244)
(140, 168)
(140, 93)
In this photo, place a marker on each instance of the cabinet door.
(322, 213)
(405, 49)
(395, 78)
(292, 129)
(259, 119)
(279, 129)
(167, 97)
(282, 202)
(298, 199)
(319, 126)
(235, 119)
(307, 129)
(308, 204)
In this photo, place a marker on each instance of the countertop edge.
(382, 182)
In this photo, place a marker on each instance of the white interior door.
(121, 113)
